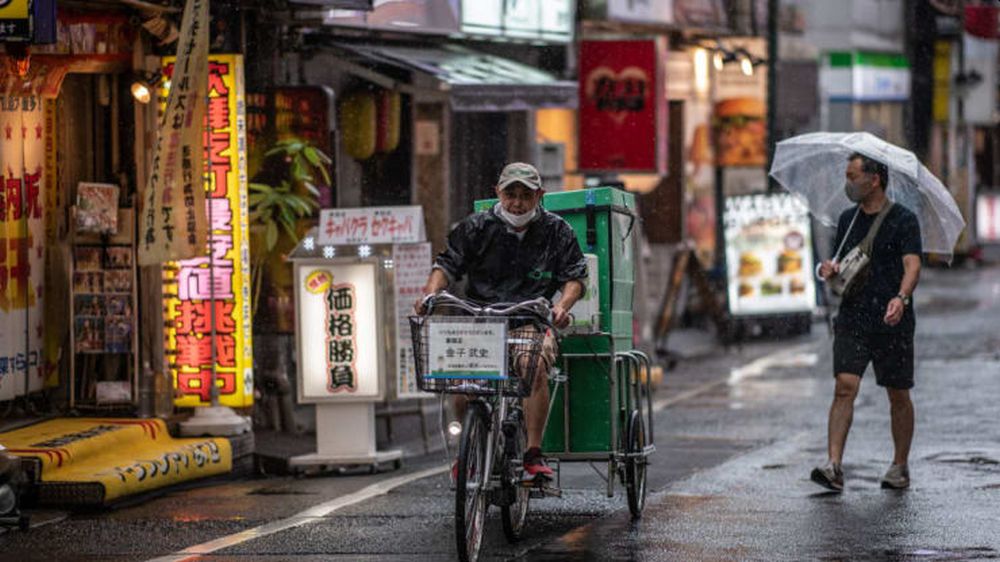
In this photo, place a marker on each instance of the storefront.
(865, 91)
(67, 276)
(431, 117)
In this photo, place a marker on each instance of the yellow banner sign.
(207, 304)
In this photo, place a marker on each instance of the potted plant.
(283, 196)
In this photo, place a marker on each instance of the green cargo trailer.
(601, 408)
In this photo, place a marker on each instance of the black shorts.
(891, 356)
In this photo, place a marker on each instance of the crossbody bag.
(855, 266)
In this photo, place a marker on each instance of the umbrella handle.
(816, 272)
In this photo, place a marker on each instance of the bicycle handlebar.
(539, 307)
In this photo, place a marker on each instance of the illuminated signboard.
(15, 20)
(988, 218)
(215, 286)
(337, 312)
(769, 255)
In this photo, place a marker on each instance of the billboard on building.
(623, 106)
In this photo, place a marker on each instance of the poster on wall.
(337, 315)
(740, 113)
(769, 259)
(412, 266)
(216, 284)
(622, 106)
(22, 243)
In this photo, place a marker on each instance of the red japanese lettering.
(196, 317)
(218, 113)
(216, 82)
(31, 186)
(199, 384)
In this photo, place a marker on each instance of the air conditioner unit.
(551, 164)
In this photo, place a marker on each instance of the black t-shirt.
(864, 310)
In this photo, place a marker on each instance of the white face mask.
(516, 221)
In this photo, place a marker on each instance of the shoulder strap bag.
(855, 266)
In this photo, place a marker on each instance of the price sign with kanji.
(337, 314)
(459, 349)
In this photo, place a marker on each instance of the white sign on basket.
(460, 349)
(371, 225)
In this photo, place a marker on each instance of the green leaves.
(278, 208)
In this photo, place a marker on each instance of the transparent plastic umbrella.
(812, 166)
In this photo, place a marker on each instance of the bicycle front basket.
(474, 355)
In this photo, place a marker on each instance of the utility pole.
(772, 86)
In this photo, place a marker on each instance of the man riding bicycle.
(514, 252)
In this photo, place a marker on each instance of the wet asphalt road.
(729, 480)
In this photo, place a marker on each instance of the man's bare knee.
(847, 387)
(899, 397)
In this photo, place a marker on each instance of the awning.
(477, 81)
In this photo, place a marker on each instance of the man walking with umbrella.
(876, 320)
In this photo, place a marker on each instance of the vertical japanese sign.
(172, 219)
(412, 266)
(623, 106)
(23, 138)
(341, 339)
(217, 285)
(337, 315)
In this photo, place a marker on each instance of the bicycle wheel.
(635, 466)
(470, 493)
(514, 510)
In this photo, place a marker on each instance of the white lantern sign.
(337, 308)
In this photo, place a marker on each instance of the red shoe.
(535, 469)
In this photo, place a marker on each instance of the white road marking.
(792, 357)
(667, 402)
(310, 515)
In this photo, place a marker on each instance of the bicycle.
(494, 435)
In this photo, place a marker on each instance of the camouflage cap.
(522, 173)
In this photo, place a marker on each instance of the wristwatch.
(904, 298)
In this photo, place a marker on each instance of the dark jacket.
(503, 268)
